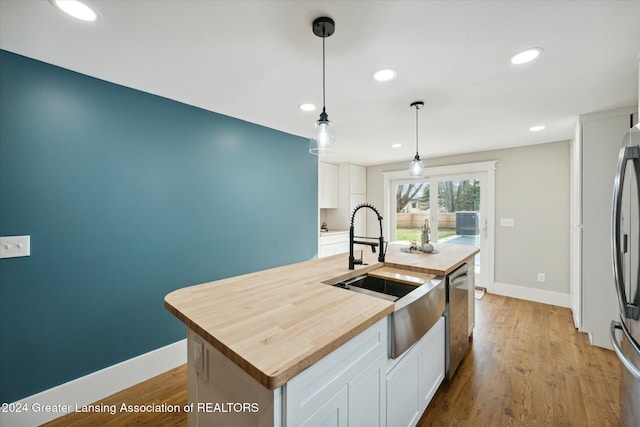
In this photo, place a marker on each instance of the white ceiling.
(258, 60)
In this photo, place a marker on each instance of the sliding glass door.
(457, 219)
(453, 205)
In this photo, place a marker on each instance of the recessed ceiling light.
(385, 74)
(77, 9)
(537, 128)
(525, 56)
(396, 145)
(307, 107)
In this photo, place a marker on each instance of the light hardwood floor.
(527, 366)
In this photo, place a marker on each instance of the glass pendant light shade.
(322, 139)
(416, 167)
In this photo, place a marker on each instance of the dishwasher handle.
(458, 280)
(616, 347)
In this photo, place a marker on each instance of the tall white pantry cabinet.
(352, 191)
(341, 188)
(594, 155)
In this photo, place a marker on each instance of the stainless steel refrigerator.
(626, 269)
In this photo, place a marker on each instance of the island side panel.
(221, 393)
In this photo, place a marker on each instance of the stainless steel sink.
(377, 287)
(417, 308)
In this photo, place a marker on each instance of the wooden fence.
(416, 220)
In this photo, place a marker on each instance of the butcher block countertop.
(276, 323)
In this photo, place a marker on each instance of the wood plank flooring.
(527, 366)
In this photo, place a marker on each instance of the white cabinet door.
(431, 363)
(403, 388)
(328, 185)
(601, 135)
(333, 244)
(413, 381)
(367, 395)
(325, 251)
(360, 220)
(357, 179)
(333, 413)
(311, 395)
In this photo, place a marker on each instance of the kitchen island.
(257, 332)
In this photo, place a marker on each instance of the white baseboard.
(95, 386)
(531, 294)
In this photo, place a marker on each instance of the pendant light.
(322, 139)
(416, 167)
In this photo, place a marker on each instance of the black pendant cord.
(417, 155)
(323, 74)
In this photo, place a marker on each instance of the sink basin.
(418, 304)
(377, 287)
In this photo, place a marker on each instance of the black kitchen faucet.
(352, 260)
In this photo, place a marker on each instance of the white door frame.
(486, 172)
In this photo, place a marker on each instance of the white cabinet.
(367, 392)
(353, 372)
(333, 413)
(414, 377)
(357, 179)
(352, 190)
(356, 385)
(360, 223)
(334, 243)
(431, 363)
(216, 381)
(327, 185)
(403, 393)
(594, 156)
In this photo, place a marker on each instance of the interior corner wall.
(532, 187)
(128, 196)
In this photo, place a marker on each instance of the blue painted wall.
(128, 196)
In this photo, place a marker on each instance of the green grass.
(413, 234)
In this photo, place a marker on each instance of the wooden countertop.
(278, 322)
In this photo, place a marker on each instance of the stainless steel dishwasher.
(456, 314)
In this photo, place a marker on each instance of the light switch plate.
(15, 246)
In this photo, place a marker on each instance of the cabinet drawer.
(312, 388)
(334, 238)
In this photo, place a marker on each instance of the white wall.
(532, 187)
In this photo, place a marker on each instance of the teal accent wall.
(128, 196)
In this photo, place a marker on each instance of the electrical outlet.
(507, 222)
(200, 361)
(542, 278)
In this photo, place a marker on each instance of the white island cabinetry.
(414, 377)
(356, 385)
(282, 347)
(346, 388)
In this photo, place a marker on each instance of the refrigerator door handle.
(616, 347)
(631, 311)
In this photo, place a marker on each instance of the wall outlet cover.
(506, 222)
